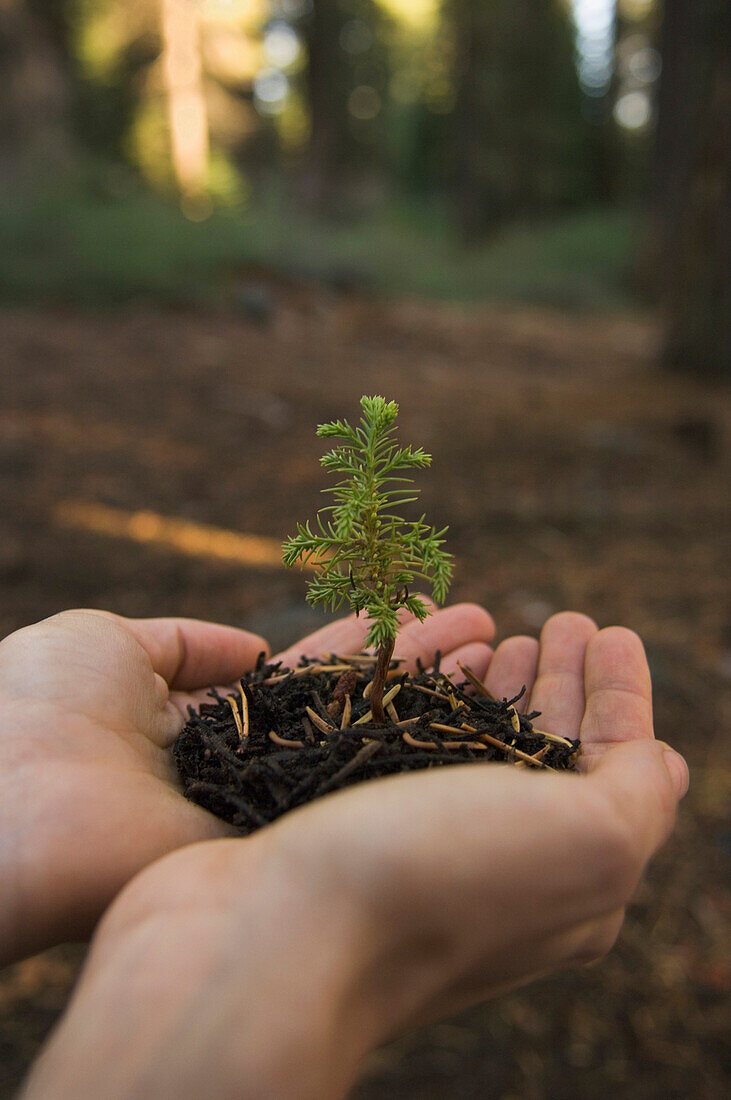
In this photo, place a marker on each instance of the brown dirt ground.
(572, 474)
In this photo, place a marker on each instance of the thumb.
(189, 654)
(644, 781)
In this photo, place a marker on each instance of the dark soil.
(286, 737)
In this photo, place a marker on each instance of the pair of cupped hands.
(269, 966)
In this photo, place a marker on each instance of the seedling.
(363, 552)
(282, 737)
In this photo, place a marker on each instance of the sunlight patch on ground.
(166, 532)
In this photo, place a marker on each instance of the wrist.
(385, 942)
(49, 895)
(300, 994)
(23, 828)
(232, 957)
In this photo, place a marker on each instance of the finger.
(678, 768)
(345, 635)
(181, 700)
(514, 664)
(405, 616)
(618, 690)
(475, 656)
(643, 781)
(188, 653)
(443, 631)
(558, 692)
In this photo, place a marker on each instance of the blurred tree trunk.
(346, 140)
(34, 91)
(520, 139)
(187, 114)
(326, 107)
(331, 153)
(692, 236)
(469, 125)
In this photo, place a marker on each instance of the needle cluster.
(364, 553)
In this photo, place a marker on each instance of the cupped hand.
(89, 705)
(272, 966)
(477, 879)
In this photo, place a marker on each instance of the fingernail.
(678, 770)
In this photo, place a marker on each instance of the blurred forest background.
(571, 152)
(222, 221)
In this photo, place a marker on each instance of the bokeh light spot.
(281, 45)
(356, 37)
(364, 102)
(632, 111)
(270, 90)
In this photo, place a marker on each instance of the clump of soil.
(284, 737)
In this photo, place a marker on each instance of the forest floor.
(572, 473)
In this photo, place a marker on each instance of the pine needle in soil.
(284, 737)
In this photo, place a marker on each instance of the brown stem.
(385, 653)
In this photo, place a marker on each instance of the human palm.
(88, 789)
(512, 873)
(436, 890)
(547, 862)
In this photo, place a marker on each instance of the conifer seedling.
(363, 551)
(282, 737)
